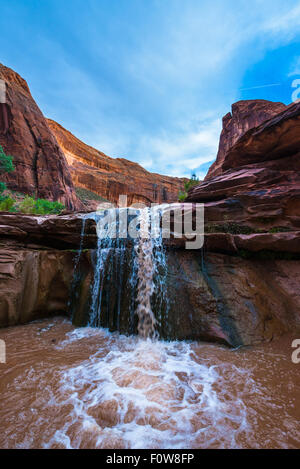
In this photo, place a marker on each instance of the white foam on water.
(149, 394)
(82, 333)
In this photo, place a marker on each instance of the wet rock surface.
(213, 297)
(215, 294)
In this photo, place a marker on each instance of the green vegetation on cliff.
(26, 204)
(194, 181)
(6, 166)
(16, 202)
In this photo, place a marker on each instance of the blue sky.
(150, 80)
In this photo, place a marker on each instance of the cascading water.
(147, 321)
(129, 273)
(151, 273)
(90, 388)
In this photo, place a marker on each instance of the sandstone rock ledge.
(215, 294)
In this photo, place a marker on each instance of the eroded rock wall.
(259, 184)
(244, 116)
(110, 177)
(33, 284)
(40, 166)
(212, 297)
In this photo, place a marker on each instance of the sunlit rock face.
(244, 116)
(110, 177)
(41, 167)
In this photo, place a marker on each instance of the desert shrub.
(279, 229)
(44, 206)
(27, 205)
(39, 206)
(2, 189)
(7, 204)
(230, 227)
(6, 162)
(182, 196)
(194, 181)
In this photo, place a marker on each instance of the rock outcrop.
(225, 299)
(64, 232)
(259, 185)
(41, 168)
(244, 116)
(110, 177)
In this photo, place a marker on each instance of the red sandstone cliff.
(109, 177)
(49, 160)
(244, 116)
(259, 180)
(41, 168)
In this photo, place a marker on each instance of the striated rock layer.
(41, 167)
(110, 177)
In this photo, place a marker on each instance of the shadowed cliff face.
(244, 116)
(5, 118)
(41, 168)
(110, 177)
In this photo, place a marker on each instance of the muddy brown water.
(64, 387)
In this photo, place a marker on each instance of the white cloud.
(179, 153)
(284, 22)
(295, 67)
(175, 78)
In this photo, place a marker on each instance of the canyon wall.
(40, 165)
(244, 116)
(49, 161)
(110, 177)
(259, 184)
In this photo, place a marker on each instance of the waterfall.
(147, 322)
(128, 292)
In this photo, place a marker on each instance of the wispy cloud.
(295, 67)
(287, 21)
(148, 80)
(260, 86)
